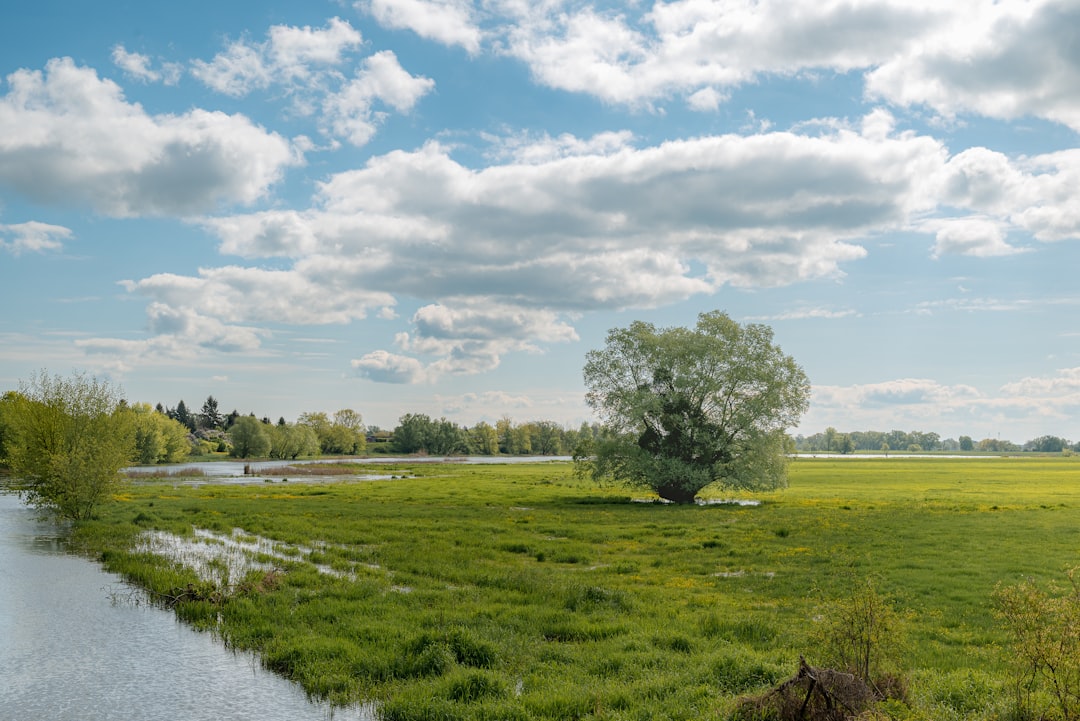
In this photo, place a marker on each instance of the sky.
(440, 206)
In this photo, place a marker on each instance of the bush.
(1045, 630)
(863, 634)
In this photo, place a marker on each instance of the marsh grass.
(520, 592)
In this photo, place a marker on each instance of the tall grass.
(519, 591)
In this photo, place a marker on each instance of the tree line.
(344, 433)
(832, 441)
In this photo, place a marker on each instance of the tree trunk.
(676, 494)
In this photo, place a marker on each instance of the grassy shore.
(521, 592)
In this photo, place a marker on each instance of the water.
(68, 652)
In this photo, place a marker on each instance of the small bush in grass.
(435, 653)
(1045, 630)
(862, 634)
(475, 686)
(754, 632)
(588, 598)
(735, 673)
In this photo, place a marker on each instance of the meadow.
(520, 591)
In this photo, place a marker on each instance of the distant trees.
(249, 438)
(289, 441)
(1046, 444)
(66, 440)
(831, 440)
(210, 417)
(342, 435)
(158, 438)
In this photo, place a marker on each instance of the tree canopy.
(686, 408)
(66, 440)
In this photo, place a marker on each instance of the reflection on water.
(68, 654)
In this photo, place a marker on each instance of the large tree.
(69, 438)
(683, 408)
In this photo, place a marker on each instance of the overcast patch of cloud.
(66, 134)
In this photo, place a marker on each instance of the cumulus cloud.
(289, 54)
(449, 22)
(307, 63)
(699, 49)
(1034, 405)
(384, 367)
(67, 134)
(349, 111)
(900, 403)
(979, 237)
(1002, 60)
(1034, 194)
(32, 237)
(505, 255)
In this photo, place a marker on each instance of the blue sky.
(440, 206)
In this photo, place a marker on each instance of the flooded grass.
(521, 592)
(141, 474)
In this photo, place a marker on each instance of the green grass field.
(521, 592)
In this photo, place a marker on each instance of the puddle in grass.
(227, 559)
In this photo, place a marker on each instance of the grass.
(521, 592)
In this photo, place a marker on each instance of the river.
(71, 651)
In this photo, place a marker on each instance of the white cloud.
(385, 367)
(294, 50)
(449, 22)
(140, 67)
(528, 148)
(978, 237)
(1025, 409)
(1034, 194)
(695, 46)
(237, 71)
(307, 62)
(66, 134)
(349, 111)
(33, 237)
(503, 255)
(305, 295)
(290, 54)
(1003, 60)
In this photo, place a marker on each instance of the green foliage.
(684, 409)
(418, 433)
(861, 633)
(158, 438)
(1044, 626)
(250, 438)
(69, 438)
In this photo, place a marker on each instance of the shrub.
(1045, 630)
(863, 634)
